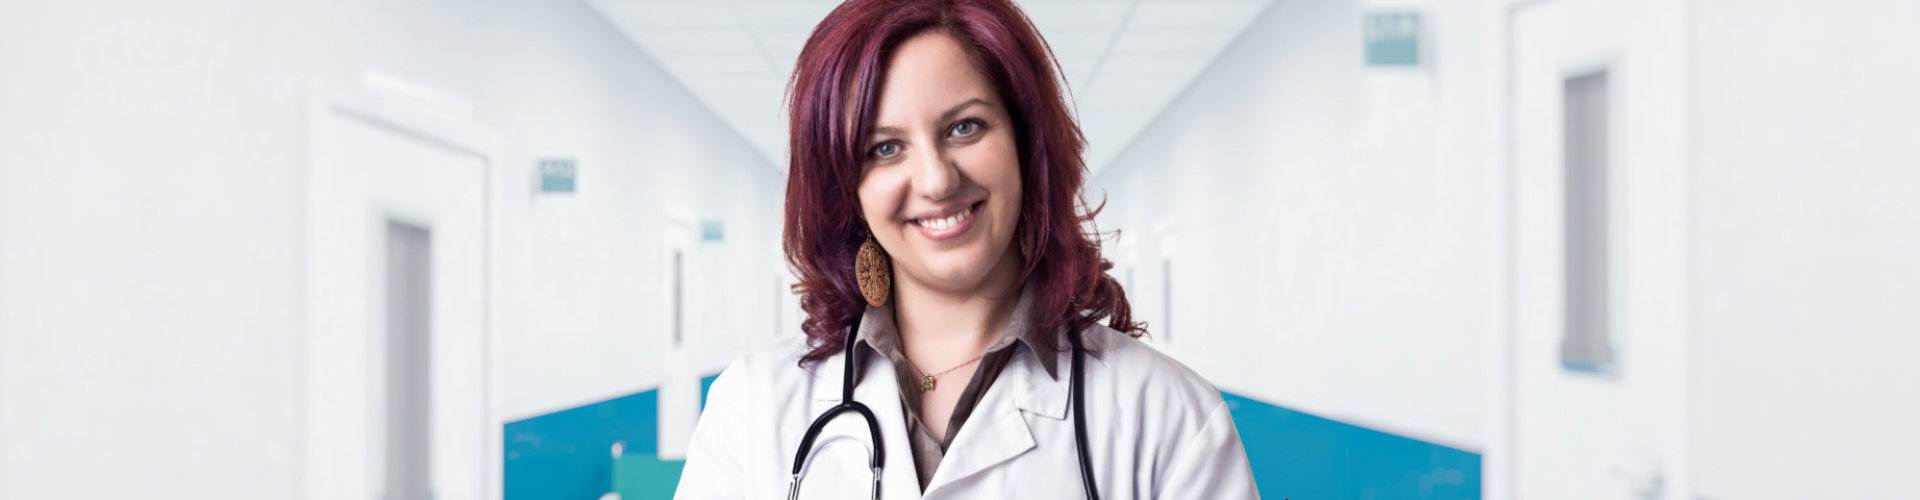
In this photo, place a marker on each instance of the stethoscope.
(879, 454)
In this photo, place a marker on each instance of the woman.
(934, 201)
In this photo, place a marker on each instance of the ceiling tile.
(1136, 65)
(784, 44)
(793, 14)
(668, 15)
(1077, 70)
(1078, 15)
(725, 42)
(1077, 43)
(753, 65)
(1190, 43)
(1195, 14)
(1129, 93)
(766, 88)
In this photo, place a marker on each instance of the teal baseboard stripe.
(568, 454)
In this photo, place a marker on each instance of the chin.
(960, 268)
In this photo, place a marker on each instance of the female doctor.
(954, 292)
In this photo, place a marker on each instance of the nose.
(936, 177)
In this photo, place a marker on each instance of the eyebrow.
(946, 116)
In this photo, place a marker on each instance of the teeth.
(947, 222)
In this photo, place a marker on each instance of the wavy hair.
(831, 100)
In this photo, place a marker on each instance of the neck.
(941, 327)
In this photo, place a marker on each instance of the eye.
(885, 150)
(966, 128)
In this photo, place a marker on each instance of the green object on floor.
(645, 477)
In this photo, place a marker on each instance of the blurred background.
(1538, 249)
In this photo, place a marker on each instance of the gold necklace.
(927, 381)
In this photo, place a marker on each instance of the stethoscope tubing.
(1080, 420)
(879, 454)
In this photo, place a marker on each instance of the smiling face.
(941, 183)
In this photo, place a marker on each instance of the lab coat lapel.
(876, 388)
(998, 430)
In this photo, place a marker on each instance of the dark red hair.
(831, 100)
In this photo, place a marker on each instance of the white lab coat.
(1157, 430)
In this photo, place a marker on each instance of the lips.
(948, 225)
(948, 222)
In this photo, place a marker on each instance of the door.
(396, 347)
(1598, 348)
(688, 331)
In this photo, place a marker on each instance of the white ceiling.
(1123, 59)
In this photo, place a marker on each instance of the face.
(941, 183)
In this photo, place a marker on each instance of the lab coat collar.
(998, 430)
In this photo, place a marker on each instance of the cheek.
(998, 169)
(879, 198)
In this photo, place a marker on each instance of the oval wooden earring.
(871, 270)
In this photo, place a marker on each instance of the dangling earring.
(874, 275)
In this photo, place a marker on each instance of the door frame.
(438, 120)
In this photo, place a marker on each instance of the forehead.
(928, 74)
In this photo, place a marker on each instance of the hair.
(832, 98)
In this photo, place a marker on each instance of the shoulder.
(781, 354)
(1135, 366)
(1183, 424)
(768, 368)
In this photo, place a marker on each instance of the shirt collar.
(879, 333)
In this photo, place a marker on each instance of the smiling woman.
(945, 254)
(988, 73)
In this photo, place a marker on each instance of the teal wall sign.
(1393, 39)
(556, 175)
(713, 231)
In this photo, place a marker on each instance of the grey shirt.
(879, 334)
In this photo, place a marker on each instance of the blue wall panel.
(567, 454)
(1298, 455)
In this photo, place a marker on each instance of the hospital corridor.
(504, 249)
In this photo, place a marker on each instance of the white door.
(1598, 354)
(396, 344)
(688, 333)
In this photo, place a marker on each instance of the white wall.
(1807, 227)
(1333, 229)
(151, 166)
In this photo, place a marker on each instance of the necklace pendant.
(926, 384)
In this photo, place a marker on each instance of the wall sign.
(557, 175)
(1393, 39)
